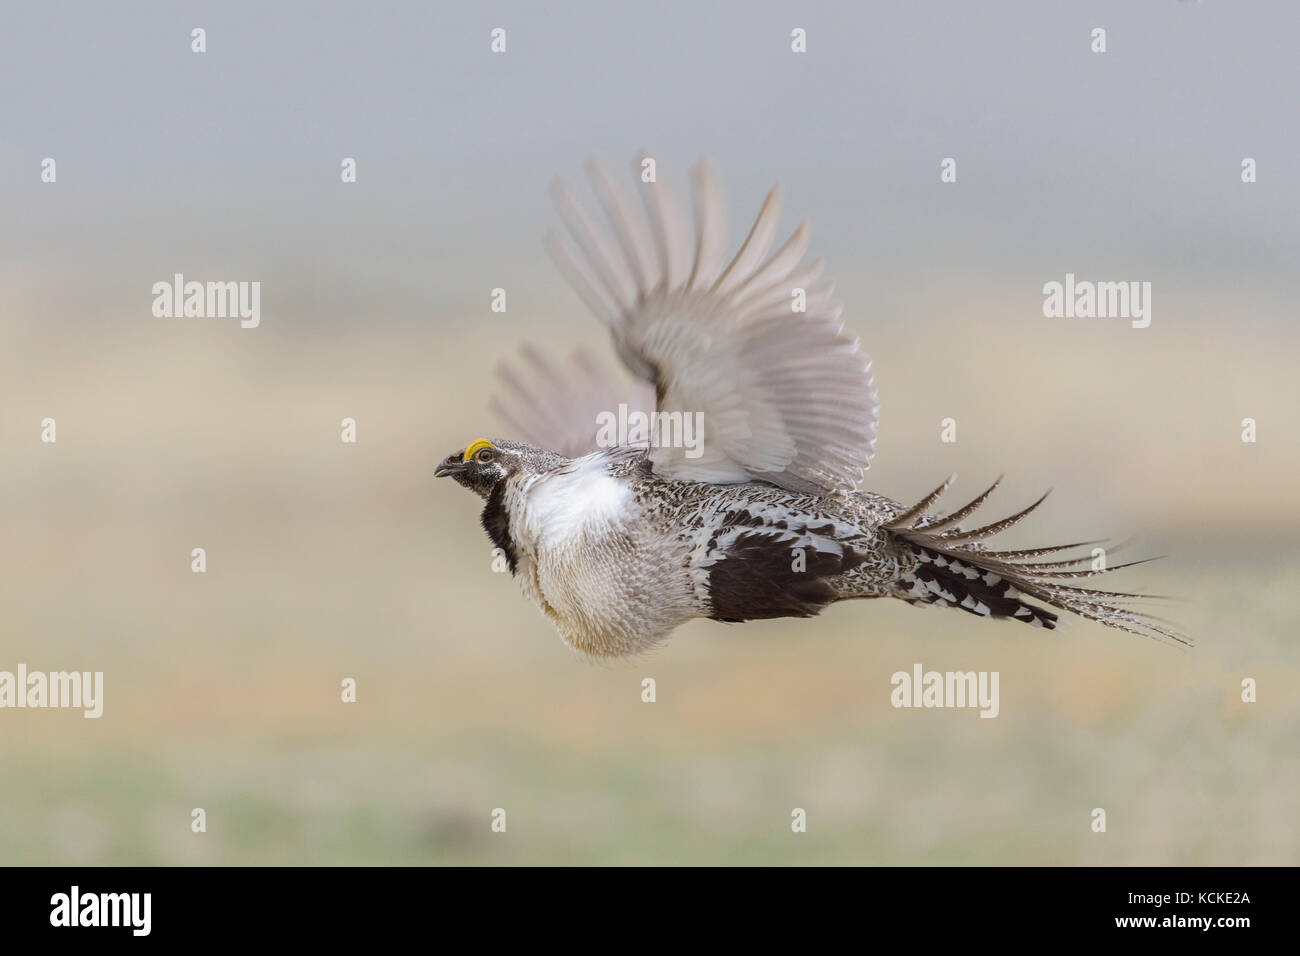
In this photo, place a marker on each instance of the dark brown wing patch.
(768, 575)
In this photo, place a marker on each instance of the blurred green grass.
(745, 728)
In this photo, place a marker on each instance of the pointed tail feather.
(955, 569)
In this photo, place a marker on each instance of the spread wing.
(783, 395)
(558, 404)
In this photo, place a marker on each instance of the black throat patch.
(496, 522)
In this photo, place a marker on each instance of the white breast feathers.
(608, 583)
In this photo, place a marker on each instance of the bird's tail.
(956, 569)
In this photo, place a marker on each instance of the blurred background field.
(328, 560)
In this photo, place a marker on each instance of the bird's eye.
(483, 455)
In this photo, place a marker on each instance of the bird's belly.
(609, 583)
(614, 600)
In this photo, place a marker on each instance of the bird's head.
(485, 463)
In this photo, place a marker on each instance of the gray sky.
(1125, 163)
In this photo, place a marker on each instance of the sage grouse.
(725, 485)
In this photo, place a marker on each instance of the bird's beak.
(453, 464)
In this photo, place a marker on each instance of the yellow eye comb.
(475, 446)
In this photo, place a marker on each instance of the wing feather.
(784, 396)
(755, 247)
(554, 404)
(669, 227)
(710, 228)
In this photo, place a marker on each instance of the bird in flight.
(759, 512)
